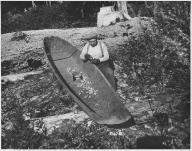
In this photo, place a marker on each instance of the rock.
(150, 142)
(107, 16)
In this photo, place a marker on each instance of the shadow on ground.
(151, 142)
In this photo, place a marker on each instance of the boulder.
(108, 16)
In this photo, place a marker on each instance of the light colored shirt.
(95, 52)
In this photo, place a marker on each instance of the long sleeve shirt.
(95, 52)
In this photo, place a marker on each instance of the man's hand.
(91, 59)
(88, 57)
(95, 61)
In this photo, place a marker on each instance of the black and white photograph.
(95, 74)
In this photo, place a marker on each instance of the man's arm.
(83, 52)
(105, 53)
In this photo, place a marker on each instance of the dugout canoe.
(86, 83)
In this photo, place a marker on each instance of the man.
(96, 52)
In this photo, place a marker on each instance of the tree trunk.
(82, 10)
(33, 4)
(122, 6)
(131, 10)
(48, 3)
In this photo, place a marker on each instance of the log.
(16, 77)
(56, 121)
(111, 35)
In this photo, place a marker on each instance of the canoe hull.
(85, 82)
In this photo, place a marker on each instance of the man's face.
(93, 42)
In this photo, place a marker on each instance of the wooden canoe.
(86, 83)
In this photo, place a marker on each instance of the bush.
(44, 17)
(20, 133)
(17, 133)
(85, 135)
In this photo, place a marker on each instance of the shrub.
(44, 17)
(16, 131)
(85, 135)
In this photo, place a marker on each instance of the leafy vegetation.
(44, 17)
(16, 131)
(20, 106)
(158, 66)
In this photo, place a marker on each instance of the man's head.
(92, 39)
(93, 42)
